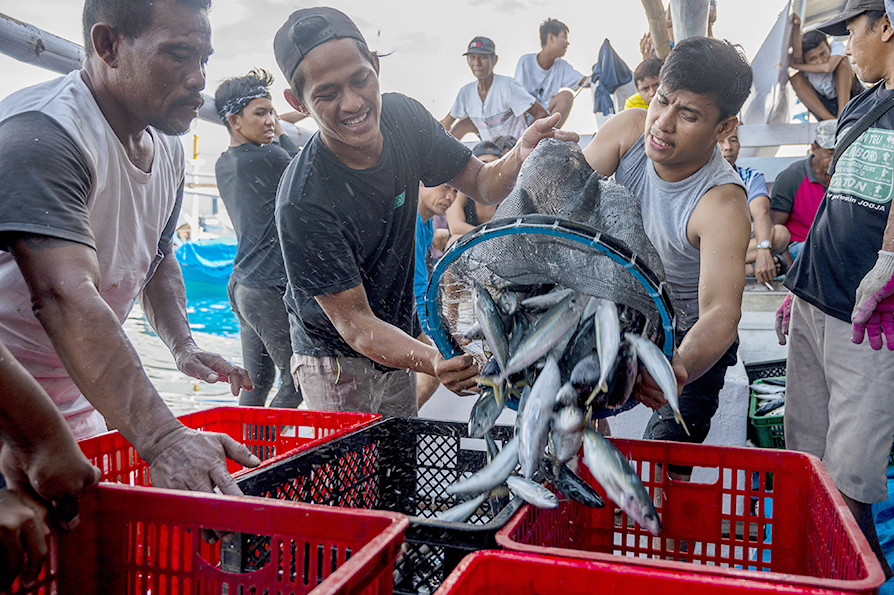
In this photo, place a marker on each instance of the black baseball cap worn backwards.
(306, 29)
(854, 8)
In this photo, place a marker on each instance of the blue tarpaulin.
(609, 73)
(207, 261)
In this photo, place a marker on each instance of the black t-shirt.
(341, 227)
(843, 243)
(247, 177)
(46, 182)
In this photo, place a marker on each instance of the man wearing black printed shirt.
(346, 215)
(247, 176)
(839, 403)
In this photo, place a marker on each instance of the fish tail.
(679, 418)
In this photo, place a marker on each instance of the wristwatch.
(765, 245)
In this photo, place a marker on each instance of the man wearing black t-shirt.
(247, 176)
(839, 404)
(346, 215)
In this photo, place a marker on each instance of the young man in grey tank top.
(694, 212)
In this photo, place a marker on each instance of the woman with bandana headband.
(247, 176)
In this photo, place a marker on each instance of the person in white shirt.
(546, 76)
(496, 105)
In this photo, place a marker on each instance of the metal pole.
(31, 45)
(690, 18)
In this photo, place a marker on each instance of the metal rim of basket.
(553, 226)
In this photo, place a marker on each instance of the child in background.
(825, 81)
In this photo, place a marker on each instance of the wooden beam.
(657, 27)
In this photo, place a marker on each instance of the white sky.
(427, 39)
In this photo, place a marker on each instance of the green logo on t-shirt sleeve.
(865, 169)
(400, 199)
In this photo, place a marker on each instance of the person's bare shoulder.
(614, 139)
(727, 203)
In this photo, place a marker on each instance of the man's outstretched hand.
(541, 129)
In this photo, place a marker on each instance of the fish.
(492, 475)
(532, 493)
(545, 301)
(582, 345)
(565, 436)
(585, 375)
(536, 418)
(608, 340)
(569, 483)
(566, 396)
(488, 316)
(769, 407)
(462, 511)
(473, 333)
(496, 501)
(549, 329)
(765, 389)
(522, 403)
(621, 484)
(622, 386)
(660, 370)
(508, 302)
(484, 413)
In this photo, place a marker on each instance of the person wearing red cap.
(839, 403)
(346, 215)
(496, 104)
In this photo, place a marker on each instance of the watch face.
(765, 244)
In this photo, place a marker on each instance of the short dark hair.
(128, 17)
(708, 66)
(297, 82)
(647, 68)
(240, 86)
(812, 39)
(505, 142)
(551, 26)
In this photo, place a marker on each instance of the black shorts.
(698, 404)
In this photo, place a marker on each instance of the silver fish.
(522, 403)
(462, 511)
(567, 395)
(534, 431)
(608, 339)
(660, 370)
(585, 375)
(545, 301)
(488, 316)
(484, 413)
(532, 493)
(766, 389)
(569, 483)
(613, 472)
(491, 475)
(496, 500)
(473, 333)
(549, 330)
(508, 302)
(566, 434)
(622, 386)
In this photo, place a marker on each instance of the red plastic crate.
(513, 573)
(269, 433)
(770, 515)
(137, 541)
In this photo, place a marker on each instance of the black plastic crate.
(400, 465)
(769, 369)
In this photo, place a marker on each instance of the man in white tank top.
(694, 212)
(92, 184)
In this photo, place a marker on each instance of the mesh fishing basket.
(563, 224)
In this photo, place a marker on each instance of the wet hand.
(458, 374)
(185, 459)
(23, 538)
(783, 318)
(212, 368)
(541, 129)
(54, 471)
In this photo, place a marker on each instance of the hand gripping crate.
(513, 573)
(268, 433)
(770, 515)
(139, 541)
(401, 465)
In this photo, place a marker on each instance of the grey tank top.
(666, 209)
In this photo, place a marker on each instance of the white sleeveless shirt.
(128, 211)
